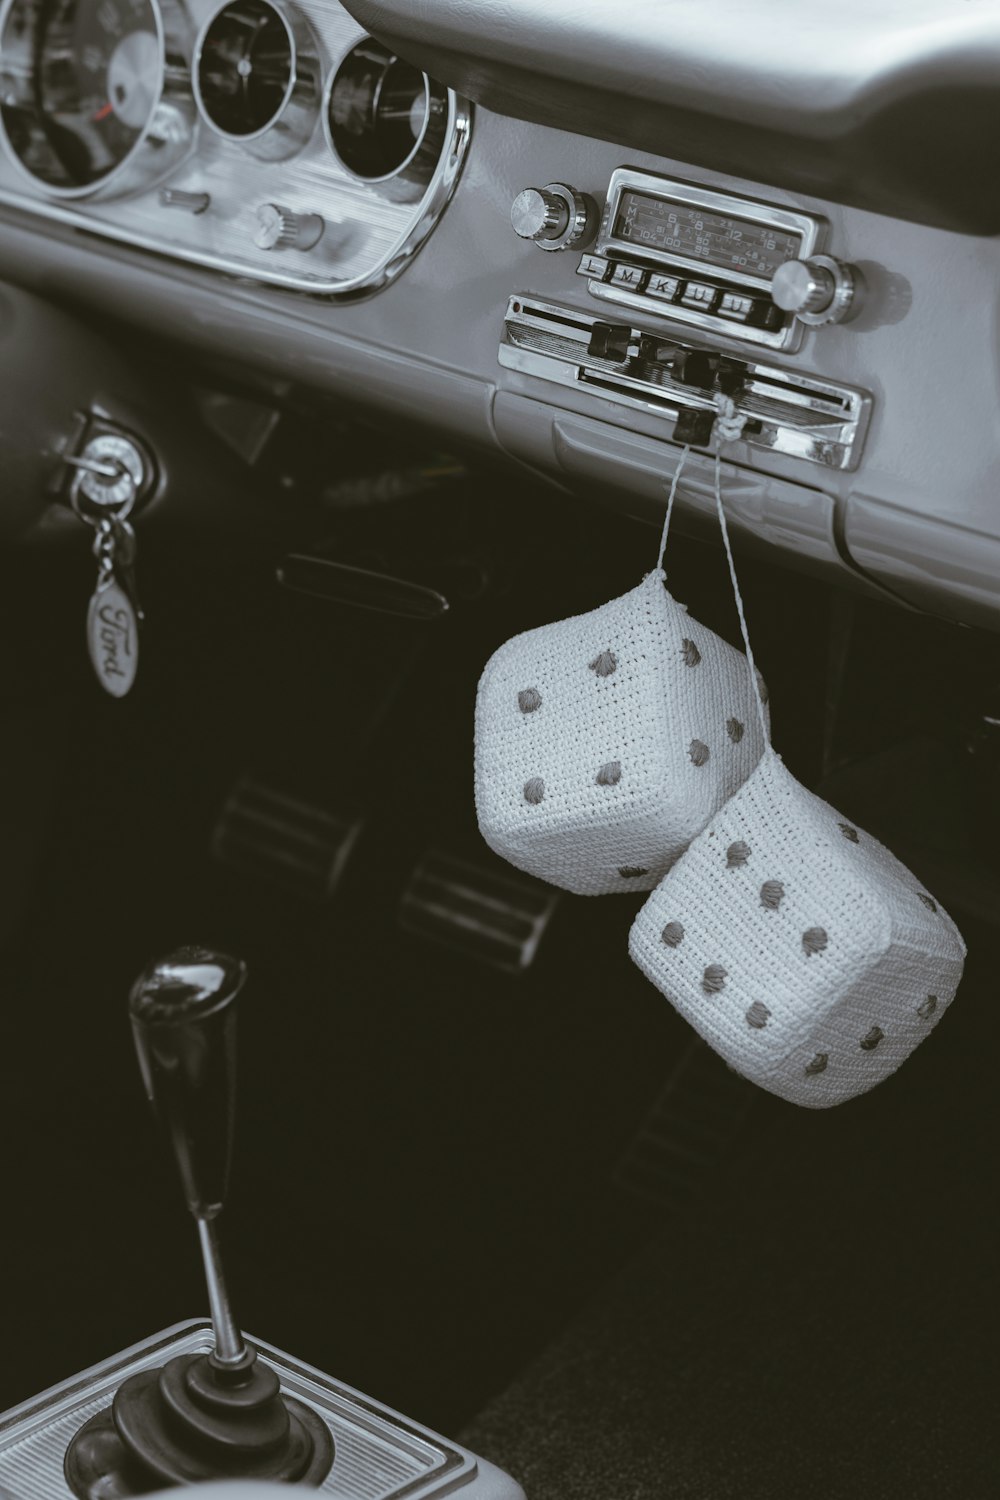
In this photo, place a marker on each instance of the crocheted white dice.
(798, 946)
(605, 743)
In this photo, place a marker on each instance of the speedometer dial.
(99, 72)
(83, 85)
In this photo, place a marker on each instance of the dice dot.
(632, 872)
(529, 700)
(871, 1040)
(610, 773)
(690, 652)
(814, 940)
(673, 934)
(713, 981)
(772, 893)
(928, 901)
(699, 752)
(818, 1063)
(850, 834)
(758, 1015)
(735, 730)
(927, 1007)
(534, 790)
(604, 664)
(737, 855)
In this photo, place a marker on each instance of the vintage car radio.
(734, 266)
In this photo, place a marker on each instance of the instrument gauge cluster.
(214, 130)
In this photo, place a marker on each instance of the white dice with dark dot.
(606, 742)
(798, 946)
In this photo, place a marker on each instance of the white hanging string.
(685, 452)
(729, 426)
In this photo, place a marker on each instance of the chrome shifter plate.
(380, 1455)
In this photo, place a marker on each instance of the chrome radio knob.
(818, 290)
(555, 217)
(280, 229)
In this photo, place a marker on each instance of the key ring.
(95, 512)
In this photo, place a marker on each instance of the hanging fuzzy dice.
(606, 742)
(798, 946)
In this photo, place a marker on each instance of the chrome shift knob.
(184, 1027)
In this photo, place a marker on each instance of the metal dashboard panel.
(371, 229)
(889, 105)
(926, 347)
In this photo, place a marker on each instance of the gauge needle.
(103, 112)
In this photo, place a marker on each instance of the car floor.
(428, 1184)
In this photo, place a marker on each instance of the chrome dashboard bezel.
(391, 224)
(805, 417)
(172, 29)
(810, 228)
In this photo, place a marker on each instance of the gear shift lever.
(200, 1416)
(184, 1026)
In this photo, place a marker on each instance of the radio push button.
(593, 266)
(662, 286)
(736, 306)
(628, 276)
(699, 294)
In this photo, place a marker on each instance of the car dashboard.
(556, 238)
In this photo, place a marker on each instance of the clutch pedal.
(473, 910)
(265, 833)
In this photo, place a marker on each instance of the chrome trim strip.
(819, 421)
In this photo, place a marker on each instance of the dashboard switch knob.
(818, 290)
(555, 217)
(280, 229)
(537, 214)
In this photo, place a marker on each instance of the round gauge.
(384, 117)
(81, 84)
(256, 77)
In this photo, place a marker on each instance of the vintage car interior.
(341, 341)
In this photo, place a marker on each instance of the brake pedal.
(266, 833)
(497, 919)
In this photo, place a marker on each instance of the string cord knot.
(729, 424)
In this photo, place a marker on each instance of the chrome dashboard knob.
(555, 217)
(280, 229)
(819, 290)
